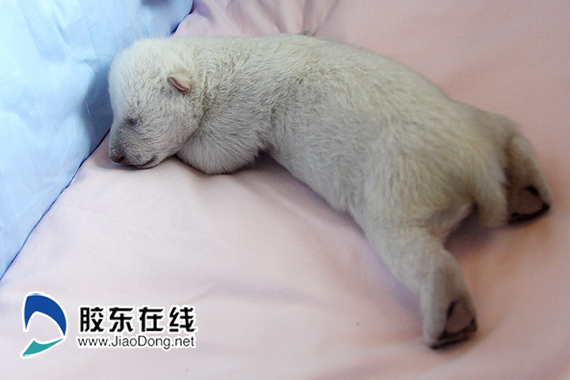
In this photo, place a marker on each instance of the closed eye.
(131, 122)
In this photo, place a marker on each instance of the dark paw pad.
(518, 217)
(534, 206)
(455, 330)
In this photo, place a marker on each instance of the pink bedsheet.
(283, 287)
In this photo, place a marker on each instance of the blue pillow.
(54, 106)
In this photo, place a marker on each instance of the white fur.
(374, 138)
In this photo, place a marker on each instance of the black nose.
(116, 154)
(118, 159)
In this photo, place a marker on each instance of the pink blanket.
(282, 286)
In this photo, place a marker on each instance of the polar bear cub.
(374, 138)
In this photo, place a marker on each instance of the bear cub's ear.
(180, 83)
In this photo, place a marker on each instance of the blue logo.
(40, 303)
